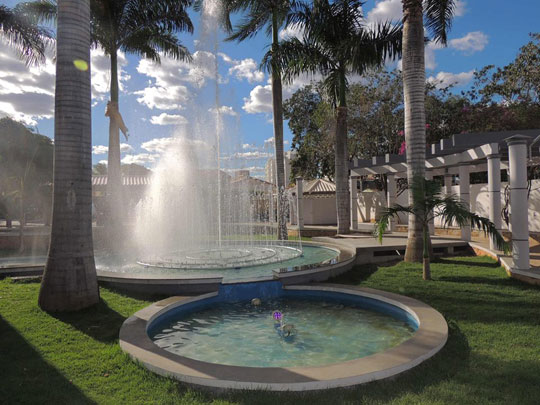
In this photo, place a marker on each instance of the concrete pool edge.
(430, 337)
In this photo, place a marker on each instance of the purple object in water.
(277, 315)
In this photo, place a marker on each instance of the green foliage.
(26, 160)
(429, 203)
(22, 32)
(517, 82)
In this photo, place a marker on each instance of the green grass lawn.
(492, 356)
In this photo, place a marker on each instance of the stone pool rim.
(429, 338)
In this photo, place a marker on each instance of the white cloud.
(269, 141)
(429, 53)
(167, 89)
(243, 69)
(100, 149)
(158, 146)
(125, 147)
(251, 155)
(101, 73)
(385, 10)
(103, 162)
(26, 93)
(292, 31)
(472, 42)
(225, 110)
(443, 79)
(168, 119)
(259, 100)
(140, 159)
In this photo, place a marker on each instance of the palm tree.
(141, 27)
(337, 43)
(428, 195)
(22, 33)
(270, 15)
(438, 17)
(69, 281)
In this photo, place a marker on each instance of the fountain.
(197, 222)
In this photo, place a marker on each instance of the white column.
(494, 193)
(447, 183)
(300, 202)
(354, 202)
(429, 176)
(464, 195)
(519, 206)
(391, 197)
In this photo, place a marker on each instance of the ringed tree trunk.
(414, 79)
(277, 107)
(114, 175)
(341, 163)
(69, 281)
(426, 245)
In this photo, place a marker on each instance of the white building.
(270, 168)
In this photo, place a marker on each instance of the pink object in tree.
(402, 148)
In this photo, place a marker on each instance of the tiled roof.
(101, 180)
(319, 186)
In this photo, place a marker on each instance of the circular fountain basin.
(342, 336)
(291, 264)
(228, 256)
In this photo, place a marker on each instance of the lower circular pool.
(303, 337)
(325, 331)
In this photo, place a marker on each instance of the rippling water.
(243, 335)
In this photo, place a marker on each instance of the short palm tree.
(21, 32)
(69, 281)
(141, 27)
(429, 203)
(337, 43)
(270, 15)
(438, 17)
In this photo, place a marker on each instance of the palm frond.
(453, 210)
(438, 18)
(386, 216)
(22, 33)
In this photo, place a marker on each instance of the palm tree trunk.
(69, 281)
(277, 106)
(22, 220)
(414, 78)
(114, 174)
(426, 268)
(342, 163)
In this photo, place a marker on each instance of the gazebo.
(461, 155)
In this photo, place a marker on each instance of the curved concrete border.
(429, 338)
(175, 285)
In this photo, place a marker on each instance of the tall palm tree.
(428, 195)
(22, 33)
(337, 43)
(145, 28)
(271, 16)
(438, 16)
(69, 281)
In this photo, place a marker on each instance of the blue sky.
(155, 99)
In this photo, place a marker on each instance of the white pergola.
(464, 154)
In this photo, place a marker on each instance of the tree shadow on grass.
(100, 322)
(451, 360)
(25, 377)
(444, 260)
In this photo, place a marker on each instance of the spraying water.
(195, 215)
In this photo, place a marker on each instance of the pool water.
(312, 256)
(242, 334)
